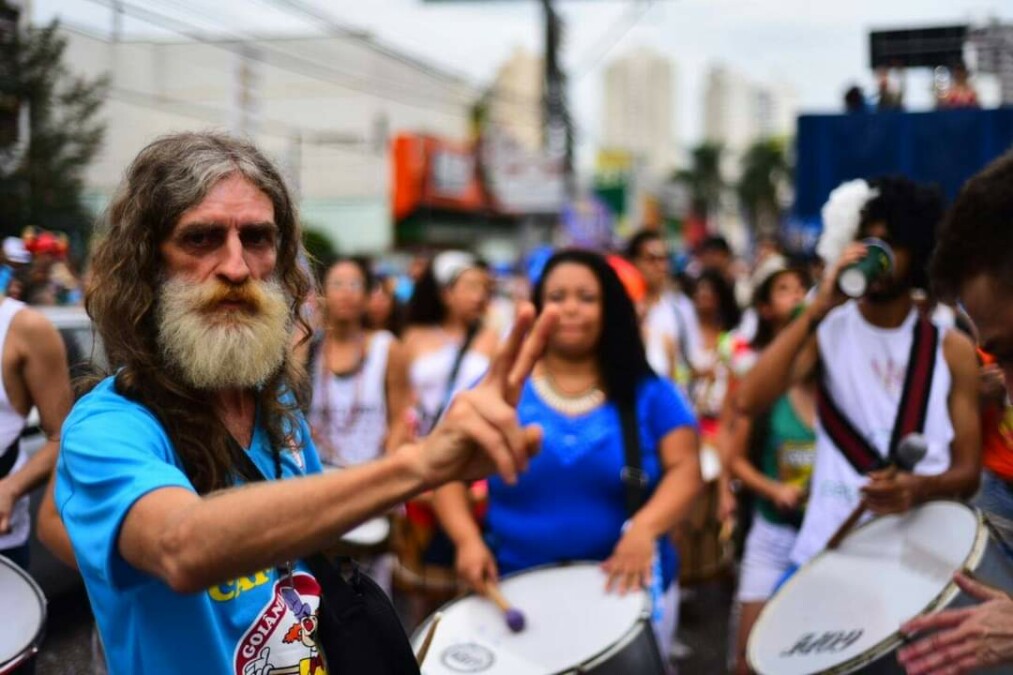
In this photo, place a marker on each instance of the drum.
(840, 613)
(370, 538)
(703, 553)
(22, 598)
(571, 626)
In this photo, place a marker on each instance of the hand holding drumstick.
(911, 450)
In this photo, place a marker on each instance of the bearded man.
(190, 565)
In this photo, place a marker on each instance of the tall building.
(738, 111)
(515, 99)
(324, 107)
(639, 115)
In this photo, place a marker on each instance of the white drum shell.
(559, 602)
(841, 612)
(25, 609)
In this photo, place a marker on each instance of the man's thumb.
(976, 589)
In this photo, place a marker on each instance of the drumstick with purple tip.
(911, 450)
(514, 617)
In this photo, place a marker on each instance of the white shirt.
(349, 412)
(864, 368)
(12, 423)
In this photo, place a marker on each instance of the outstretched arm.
(192, 542)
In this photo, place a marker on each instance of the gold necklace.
(570, 405)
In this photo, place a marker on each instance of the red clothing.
(997, 434)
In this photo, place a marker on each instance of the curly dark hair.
(911, 213)
(976, 236)
(170, 176)
(622, 360)
(729, 312)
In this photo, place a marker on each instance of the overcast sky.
(816, 47)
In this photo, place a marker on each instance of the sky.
(815, 47)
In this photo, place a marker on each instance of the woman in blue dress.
(571, 503)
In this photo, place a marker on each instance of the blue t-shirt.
(571, 504)
(114, 451)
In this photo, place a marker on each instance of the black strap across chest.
(911, 413)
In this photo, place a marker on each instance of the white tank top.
(863, 369)
(348, 413)
(428, 375)
(657, 356)
(12, 423)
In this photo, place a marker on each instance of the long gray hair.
(170, 176)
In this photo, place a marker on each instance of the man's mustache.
(249, 294)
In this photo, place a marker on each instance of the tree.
(765, 172)
(704, 179)
(319, 249)
(41, 181)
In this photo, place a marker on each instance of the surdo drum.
(370, 538)
(572, 626)
(24, 616)
(841, 612)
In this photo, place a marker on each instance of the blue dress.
(571, 503)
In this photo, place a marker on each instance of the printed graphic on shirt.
(890, 374)
(281, 638)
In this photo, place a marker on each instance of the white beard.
(215, 348)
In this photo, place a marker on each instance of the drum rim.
(596, 658)
(32, 646)
(894, 640)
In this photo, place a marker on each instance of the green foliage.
(321, 250)
(41, 182)
(765, 174)
(704, 179)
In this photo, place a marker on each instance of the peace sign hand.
(480, 433)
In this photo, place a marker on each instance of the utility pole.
(558, 138)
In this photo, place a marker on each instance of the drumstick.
(912, 449)
(847, 526)
(429, 638)
(514, 617)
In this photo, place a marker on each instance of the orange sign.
(435, 173)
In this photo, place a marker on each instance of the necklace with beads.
(570, 405)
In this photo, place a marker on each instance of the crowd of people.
(252, 416)
(952, 89)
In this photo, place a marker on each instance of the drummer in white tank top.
(451, 296)
(360, 388)
(864, 348)
(863, 370)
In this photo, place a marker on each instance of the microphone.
(911, 450)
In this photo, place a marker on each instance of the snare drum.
(571, 626)
(20, 637)
(370, 538)
(703, 553)
(841, 612)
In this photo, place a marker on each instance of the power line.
(350, 35)
(269, 56)
(214, 115)
(611, 38)
(330, 25)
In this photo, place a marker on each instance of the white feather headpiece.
(841, 215)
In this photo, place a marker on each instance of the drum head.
(370, 533)
(24, 609)
(842, 610)
(569, 620)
